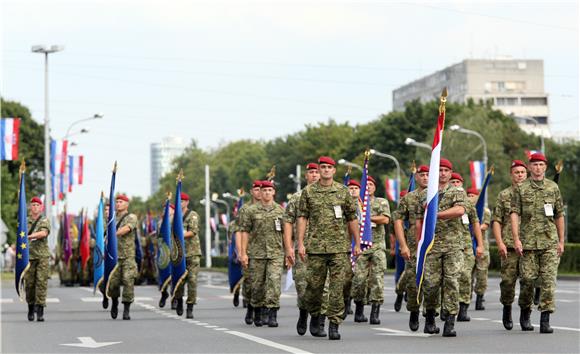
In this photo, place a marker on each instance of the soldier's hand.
(479, 251)
(501, 248)
(560, 248)
(518, 247)
(356, 251)
(405, 253)
(244, 260)
(290, 259)
(302, 252)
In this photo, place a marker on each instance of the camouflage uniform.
(36, 278)
(467, 269)
(482, 263)
(264, 226)
(443, 263)
(370, 267)
(125, 271)
(192, 257)
(539, 239)
(327, 209)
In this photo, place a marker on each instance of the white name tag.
(548, 209)
(465, 219)
(373, 225)
(338, 211)
(278, 224)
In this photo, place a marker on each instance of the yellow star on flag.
(19, 256)
(23, 245)
(22, 234)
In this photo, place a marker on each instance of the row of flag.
(66, 170)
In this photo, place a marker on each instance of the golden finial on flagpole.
(443, 100)
(241, 192)
(270, 176)
(413, 167)
(492, 169)
(367, 154)
(180, 175)
(168, 195)
(559, 166)
(115, 167)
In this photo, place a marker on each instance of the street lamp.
(536, 123)
(348, 163)
(297, 178)
(95, 116)
(413, 142)
(47, 188)
(375, 152)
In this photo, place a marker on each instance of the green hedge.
(569, 263)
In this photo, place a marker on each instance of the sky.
(219, 71)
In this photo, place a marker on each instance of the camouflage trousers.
(408, 283)
(299, 274)
(36, 281)
(465, 276)
(444, 266)
(266, 282)
(192, 266)
(539, 265)
(247, 283)
(124, 275)
(369, 276)
(320, 267)
(480, 274)
(510, 271)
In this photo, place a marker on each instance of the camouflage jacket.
(327, 209)
(39, 248)
(379, 207)
(291, 214)
(531, 201)
(191, 223)
(126, 243)
(407, 211)
(264, 224)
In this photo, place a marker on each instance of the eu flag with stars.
(22, 237)
(98, 261)
(178, 269)
(164, 249)
(111, 247)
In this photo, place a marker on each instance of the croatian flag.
(477, 171)
(430, 218)
(392, 188)
(76, 165)
(10, 132)
(529, 153)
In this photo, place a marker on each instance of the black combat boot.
(265, 314)
(40, 314)
(189, 312)
(272, 322)
(115, 307)
(525, 319)
(448, 329)
(244, 303)
(164, 296)
(126, 307)
(348, 308)
(315, 326)
(545, 323)
(414, 321)
(302, 322)
(174, 304)
(507, 317)
(333, 331)
(359, 315)
(479, 303)
(249, 313)
(462, 316)
(398, 302)
(444, 315)
(321, 325)
(31, 312)
(430, 327)
(536, 296)
(258, 316)
(375, 311)
(179, 307)
(236, 298)
(105, 302)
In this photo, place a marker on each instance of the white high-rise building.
(162, 156)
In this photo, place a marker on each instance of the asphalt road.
(74, 316)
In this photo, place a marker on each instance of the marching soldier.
(501, 227)
(125, 271)
(192, 257)
(328, 209)
(538, 204)
(481, 268)
(36, 279)
(368, 280)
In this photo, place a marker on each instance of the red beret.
(312, 166)
(36, 200)
(456, 175)
(423, 168)
(353, 182)
(122, 197)
(370, 178)
(516, 163)
(538, 156)
(172, 206)
(256, 184)
(267, 184)
(326, 160)
(184, 196)
(446, 163)
(403, 193)
(472, 190)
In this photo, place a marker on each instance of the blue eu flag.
(22, 236)
(178, 269)
(111, 249)
(164, 249)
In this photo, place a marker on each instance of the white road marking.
(52, 300)
(268, 343)
(216, 287)
(6, 301)
(89, 342)
(480, 319)
(399, 333)
(221, 329)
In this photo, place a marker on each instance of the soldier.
(125, 271)
(480, 270)
(368, 280)
(192, 257)
(36, 278)
(262, 234)
(501, 227)
(327, 208)
(290, 245)
(538, 203)
(408, 245)
(445, 258)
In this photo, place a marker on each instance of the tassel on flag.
(10, 135)
(477, 172)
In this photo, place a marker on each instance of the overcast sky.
(218, 71)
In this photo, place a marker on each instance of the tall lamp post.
(378, 153)
(413, 142)
(536, 123)
(348, 163)
(95, 116)
(47, 189)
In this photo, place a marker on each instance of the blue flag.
(178, 269)
(365, 227)
(400, 261)
(164, 249)
(111, 246)
(138, 252)
(21, 237)
(98, 251)
(480, 208)
(234, 267)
